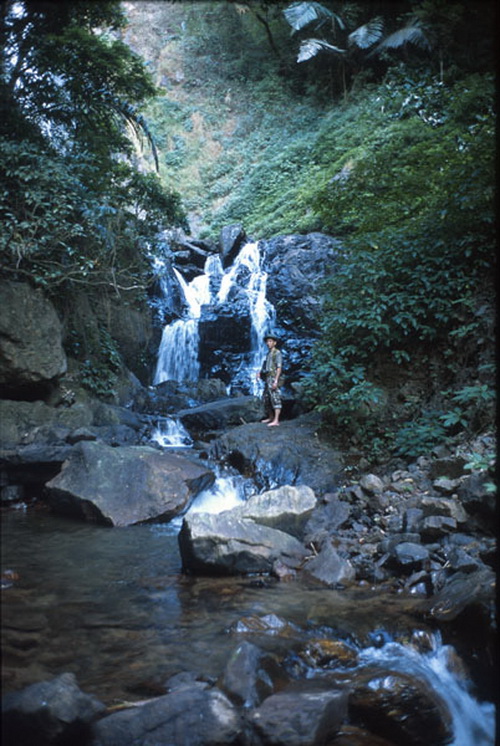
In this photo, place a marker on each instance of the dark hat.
(271, 335)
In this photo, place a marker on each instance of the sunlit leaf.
(310, 48)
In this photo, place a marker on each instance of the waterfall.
(170, 433)
(178, 354)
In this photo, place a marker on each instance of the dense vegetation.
(382, 135)
(75, 211)
(390, 147)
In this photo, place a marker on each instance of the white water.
(170, 433)
(473, 722)
(178, 352)
(226, 492)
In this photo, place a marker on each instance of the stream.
(113, 607)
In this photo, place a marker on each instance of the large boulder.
(231, 239)
(289, 454)
(286, 508)
(296, 265)
(189, 715)
(31, 353)
(49, 712)
(127, 485)
(224, 544)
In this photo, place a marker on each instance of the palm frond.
(366, 35)
(406, 35)
(301, 14)
(310, 48)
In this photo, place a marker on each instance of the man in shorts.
(270, 373)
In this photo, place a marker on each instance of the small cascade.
(218, 290)
(226, 492)
(473, 722)
(170, 433)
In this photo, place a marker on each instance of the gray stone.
(302, 718)
(409, 554)
(435, 526)
(188, 715)
(249, 674)
(371, 483)
(330, 568)
(289, 454)
(446, 486)
(225, 544)
(286, 508)
(127, 485)
(55, 711)
(31, 353)
(439, 506)
(218, 415)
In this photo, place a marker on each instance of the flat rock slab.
(127, 485)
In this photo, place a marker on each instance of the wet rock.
(251, 675)
(330, 568)
(124, 486)
(300, 718)
(400, 708)
(329, 654)
(220, 414)
(50, 712)
(289, 454)
(231, 239)
(188, 715)
(268, 624)
(225, 544)
(464, 590)
(295, 265)
(32, 358)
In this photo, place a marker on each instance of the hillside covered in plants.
(373, 122)
(370, 121)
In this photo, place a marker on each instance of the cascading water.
(178, 355)
(473, 722)
(170, 433)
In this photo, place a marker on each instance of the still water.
(113, 606)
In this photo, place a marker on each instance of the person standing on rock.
(270, 374)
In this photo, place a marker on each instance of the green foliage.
(419, 437)
(99, 373)
(74, 209)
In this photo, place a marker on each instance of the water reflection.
(112, 606)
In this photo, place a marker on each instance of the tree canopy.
(74, 206)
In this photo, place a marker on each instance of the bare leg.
(276, 421)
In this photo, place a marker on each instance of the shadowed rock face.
(124, 486)
(31, 353)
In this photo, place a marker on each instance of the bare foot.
(273, 424)
(268, 420)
